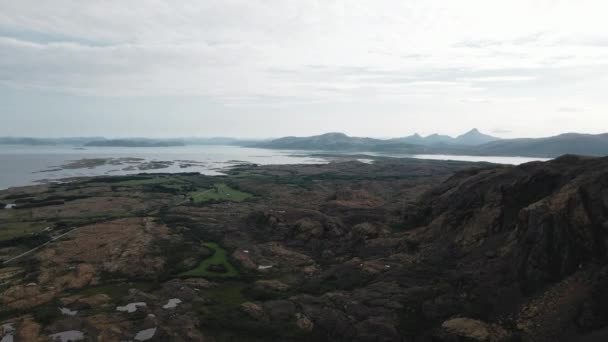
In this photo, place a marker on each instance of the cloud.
(285, 48)
(499, 130)
(432, 59)
(533, 38)
(570, 110)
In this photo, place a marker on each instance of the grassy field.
(220, 192)
(218, 258)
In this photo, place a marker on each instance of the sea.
(26, 165)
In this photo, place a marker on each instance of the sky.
(269, 68)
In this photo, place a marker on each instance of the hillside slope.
(529, 242)
(570, 143)
(471, 143)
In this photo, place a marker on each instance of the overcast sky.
(300, 67)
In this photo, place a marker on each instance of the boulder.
(306, 229)
(255, 311)
(475, 330)
(303, 322)
(367, 230)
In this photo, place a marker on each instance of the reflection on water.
(489, 159)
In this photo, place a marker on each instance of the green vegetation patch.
(168, 182)
(219, 192)
(19, 229)
(209, 266)
(226, 294)
(159, 182)
(143, 181)
(116, 291)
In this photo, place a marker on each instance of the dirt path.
(37, 248)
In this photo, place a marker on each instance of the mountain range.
(470, 138)
(472, 142)
(124, 142)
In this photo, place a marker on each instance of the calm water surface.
(22, 165)
(25, 165)
(490, 159)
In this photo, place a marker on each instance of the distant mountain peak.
(473, 131)
(334, 134)
(474, 137)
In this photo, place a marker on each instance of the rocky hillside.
(527, 243)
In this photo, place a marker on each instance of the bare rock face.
(254, 310)
(560, 234)
(367, 231)
(28, 330)
(516, 234)
(271, 285)
(93, 301)
(555, 210)
(244, 260)
(27, 296)
(306, 229)
(83, 275)
(126, 247)
(304, 323)
(471, 329)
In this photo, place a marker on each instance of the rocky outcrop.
(509, 233)
(457, 329)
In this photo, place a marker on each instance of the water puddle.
(68, 336)
(7, 332)
(145, 335)
(131, 307)
(68, 312)
(172, 303)
(366, 161)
